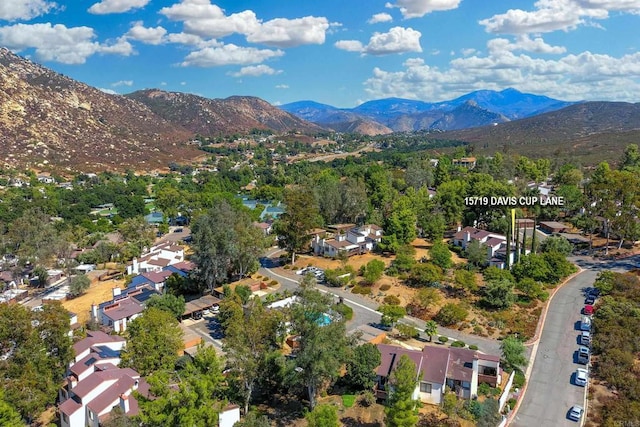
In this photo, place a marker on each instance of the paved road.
(550, 391)
(364, 309)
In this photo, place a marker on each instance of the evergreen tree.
(400, 410)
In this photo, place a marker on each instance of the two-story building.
(352, 241)
(157, 258)
(459, 369)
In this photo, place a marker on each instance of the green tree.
(466, 280)
(250, 335)
(400, 407)
(450, 314)
(557, 244)
(323, 416)
(244, 292)
(440, 255)
(373, 271)
(391, 314)
(498, 295)
(154, 339)
(136, 231)
(513, 353)
(189, 397)
(476, 253)
(361, 366)
(432, 224)
(400, 225)
(169, 303)
(425, 298)
(79, 285)
(431, 329)
(168, 200)
(293, 226)
(425, 274)
(117, 418)
(405, 259)
(8, 415)
(253, 419)
(324, 348)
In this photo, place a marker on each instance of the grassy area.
(348, 400)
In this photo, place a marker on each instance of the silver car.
(582, 376)
(575, 413)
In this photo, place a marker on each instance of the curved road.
(550, 390)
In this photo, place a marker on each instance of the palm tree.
(431, 328)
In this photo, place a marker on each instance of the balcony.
(380, 392)
(492, 380)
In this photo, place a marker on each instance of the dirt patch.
(598, 395)
(97, 293)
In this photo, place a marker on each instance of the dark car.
(590, 300)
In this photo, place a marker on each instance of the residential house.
(554, 227)
(157, 258)
(90, 401)
(46, 179)
(465, 162)
(439, 368)
(229, 416)
(355, 240)
(125, 306)
(95, 385)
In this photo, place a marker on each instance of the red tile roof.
(95, 338)
(123, 308)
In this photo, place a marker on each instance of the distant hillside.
(49, 120)
(405, 115)
(211, 117)
(591, 130)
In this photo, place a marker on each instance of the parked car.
(590, 300)
(585, 323)
(582, 376)
(587, 310)
(585, 338)
(583, 355)
(575, 413)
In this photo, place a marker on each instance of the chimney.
(124, 402)
(116, 291)
(134, 270)
(94, 312)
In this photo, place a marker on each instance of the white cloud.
(349, 45)
(204, 19)
(380, 17)
(396, 40)
(183, 83)
(116, 6)
(281, 32)
(524, 43)
(143, 34)
(109, 91)
(163, 83)
(229, 54)
(60, 43)
(571, 77)
(419, 8)
(553, 15)
(255, 71)
(282, 86)
(122, 83)
(11, 10)
(468, 51)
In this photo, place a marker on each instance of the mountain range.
(50, 121)
(479, 108)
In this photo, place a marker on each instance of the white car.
(582, 376)
(575, 413)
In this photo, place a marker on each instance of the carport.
(194, 308)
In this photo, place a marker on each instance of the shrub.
(273, 283)
(345, 311)
(443, 339)
(473, 347)
(362, 290)
(459, 344)
(287, 267)
(392, 300)
(450, 314)
(407, 331)
(484, 389)
(385, 287)
(477, 330)
(512, 403)
(367, 398)
(518, 379)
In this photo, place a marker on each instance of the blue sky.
(339, 52)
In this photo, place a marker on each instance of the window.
(90, 415)
(65, 418)
(425, 387)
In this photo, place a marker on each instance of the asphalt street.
(550, 391)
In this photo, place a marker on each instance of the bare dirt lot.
(97, 293)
